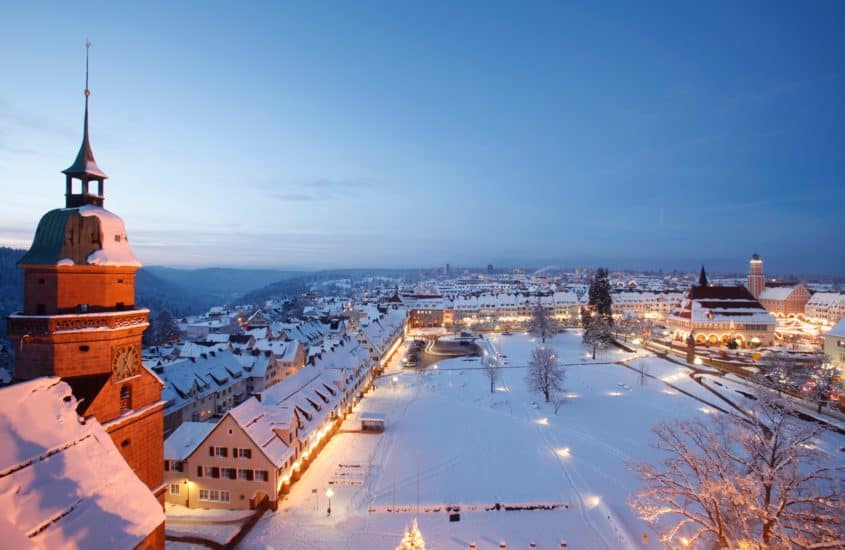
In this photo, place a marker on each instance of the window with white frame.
(213, 495)
(174, 488)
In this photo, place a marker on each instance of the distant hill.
(182, 292)
(156, 294)
(225, 284)
(294, 285)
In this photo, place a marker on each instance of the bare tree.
(597, 333)
(491, 370)
(822, 381)
(545, 374)
(646, 329)
(760, 483)
(541, 325)
(778, 373)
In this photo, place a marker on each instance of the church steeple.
(702, 277)
(84, 168)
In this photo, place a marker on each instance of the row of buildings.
(258, 448)
(488, 310)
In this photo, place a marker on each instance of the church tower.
(756, 281)
(80, 323)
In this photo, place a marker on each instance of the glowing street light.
(329, 495)
(564, 453)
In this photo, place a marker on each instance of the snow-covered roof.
(255, 364)
(777, 292)
(182, 442)
(189, 379)
(381, 330)
(260, 423)
(637, 297)
(838, 329)
(720, 305)
(217, 338)
(63, 484)
(825, 299)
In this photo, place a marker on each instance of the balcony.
(42, 325)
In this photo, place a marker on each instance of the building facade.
(720, 316)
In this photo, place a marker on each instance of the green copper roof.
(49, 238)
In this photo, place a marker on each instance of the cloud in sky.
(320, 190)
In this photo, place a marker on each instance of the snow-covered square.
(449, 442)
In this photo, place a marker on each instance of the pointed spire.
(85, 167)
(702, 277)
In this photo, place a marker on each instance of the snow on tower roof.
(113, 240)
(63, 483)
(54, 242)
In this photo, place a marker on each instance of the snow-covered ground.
(217, 525)
(449, 441)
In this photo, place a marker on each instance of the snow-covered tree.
(413, 539)
(778, 372)
(646, 329)
(597, 333)
(761, 483)
(491, 371)
(599, 295)
(545, 374)
(822, 380)
(541, 325)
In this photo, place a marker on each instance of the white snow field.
(447, 435)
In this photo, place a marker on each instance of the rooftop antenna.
(87, 90)
(87, 48)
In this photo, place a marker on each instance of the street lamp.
(329, 495)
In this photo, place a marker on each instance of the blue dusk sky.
(392, 134)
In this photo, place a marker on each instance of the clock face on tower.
(125, 363)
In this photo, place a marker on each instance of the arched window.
(126, 398)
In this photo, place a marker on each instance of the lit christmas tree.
(413, 539)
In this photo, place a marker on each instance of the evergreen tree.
(541, 325)
(599, 295)
(413, 539)
(162, 330)
(597, 333)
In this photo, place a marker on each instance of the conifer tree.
(413, 539)
(599, 295)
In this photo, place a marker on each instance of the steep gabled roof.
(63, 483)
